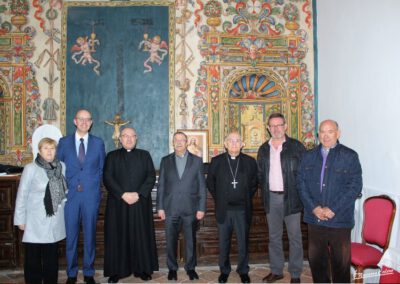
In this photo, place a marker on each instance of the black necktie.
(81, 154)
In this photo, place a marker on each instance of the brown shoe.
(271, 278)
(295, 280)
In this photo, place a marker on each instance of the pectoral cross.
(234, 183)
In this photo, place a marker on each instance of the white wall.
(359, 86)
(359, 82)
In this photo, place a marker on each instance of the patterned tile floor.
(206, 275)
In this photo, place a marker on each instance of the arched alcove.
(250, 96)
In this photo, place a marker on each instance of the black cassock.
(129, 237)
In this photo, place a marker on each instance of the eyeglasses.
(81, 119)
(125, 136)
(276, 126)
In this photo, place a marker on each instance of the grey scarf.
(56, 187)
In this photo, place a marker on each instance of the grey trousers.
(173, 226)
(275, 219)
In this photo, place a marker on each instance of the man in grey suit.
(181, 202)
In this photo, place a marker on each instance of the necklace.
(234, 182)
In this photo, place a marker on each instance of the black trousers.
(329, 253)
(41, 263)
(234, 220)
(173, 226)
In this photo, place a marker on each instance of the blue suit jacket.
(89, 175)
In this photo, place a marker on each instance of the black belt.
(277, 192)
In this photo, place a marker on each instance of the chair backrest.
(379, 212)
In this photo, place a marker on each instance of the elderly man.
(232, 181)
(181, 202)
(130, 246)
(330, 180)
(83, 155)
(278, 160)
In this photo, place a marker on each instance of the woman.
(39, 212)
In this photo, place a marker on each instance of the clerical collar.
(233, 157)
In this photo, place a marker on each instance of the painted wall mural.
(257, 58)
(116, 62)
(233, 63)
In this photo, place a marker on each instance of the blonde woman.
(39, 212)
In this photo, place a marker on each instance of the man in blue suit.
(83, 155)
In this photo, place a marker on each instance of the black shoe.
(71, 280)
(295, 280)
(172, 275)
(245, 278)
(270, 278)
(192, 274)
(223, 278)
(113, 279)
(89, 280)
(145, 277)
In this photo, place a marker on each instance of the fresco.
(214, 55)
(116, 60)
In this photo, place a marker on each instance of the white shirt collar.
(85, 138)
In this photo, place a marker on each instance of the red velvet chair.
(379, 212)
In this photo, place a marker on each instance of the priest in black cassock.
(130, 246)
(232, 181)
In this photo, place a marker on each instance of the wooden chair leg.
(358, 276)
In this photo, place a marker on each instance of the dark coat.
(181, 196)
(343, 184)
(129, 237)
(219, 183)
(292, 151)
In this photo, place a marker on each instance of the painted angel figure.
(254, 48)
(157, 48)
(82, 54)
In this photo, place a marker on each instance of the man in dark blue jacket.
(330, 180)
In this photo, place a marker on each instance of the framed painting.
(113, 53)
(197, 143)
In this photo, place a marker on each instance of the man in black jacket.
(232, 181)
(278, 160)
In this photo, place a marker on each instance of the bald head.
(328, 133)
(329, 121)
